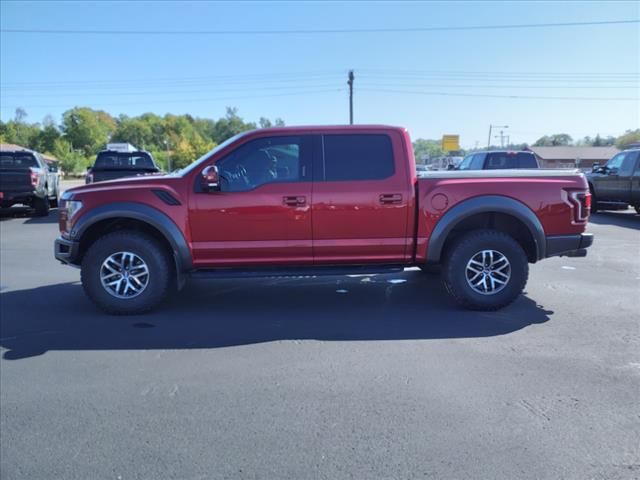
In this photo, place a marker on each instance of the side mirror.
(210, 179)
(451, 166)
(595, 167)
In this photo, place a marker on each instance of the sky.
(581, 80)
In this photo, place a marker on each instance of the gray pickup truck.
(616, 185)
(25, 178)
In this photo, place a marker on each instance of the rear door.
(362, 199)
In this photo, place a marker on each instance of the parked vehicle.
(616, 185)
(120, 160)
(25, 178)
(496, 160)
(319, 200)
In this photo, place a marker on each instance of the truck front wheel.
(126, 273)
(485, 270)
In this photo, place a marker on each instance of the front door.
(262, 215)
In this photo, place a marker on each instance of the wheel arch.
(136, 216)
(489, 211)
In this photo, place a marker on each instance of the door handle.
(390, 198)
(297, 201)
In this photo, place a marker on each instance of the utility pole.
(491, 127)
(350, 83)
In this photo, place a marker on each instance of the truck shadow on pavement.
(626, 219)
(28, 216)
(218, 313)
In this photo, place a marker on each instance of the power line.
(313, 31)
(454, 94)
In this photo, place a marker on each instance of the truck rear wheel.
(126, 273)
(41, 206)
(485, 270)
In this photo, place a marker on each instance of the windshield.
(466, 163)
(124, 161)
(17, 160)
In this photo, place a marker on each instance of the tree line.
(173, 140)
(177, 140)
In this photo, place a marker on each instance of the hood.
(127, 183)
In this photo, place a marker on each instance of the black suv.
(497, 160)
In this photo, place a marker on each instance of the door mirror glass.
(210, 179)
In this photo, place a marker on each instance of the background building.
(572, 157)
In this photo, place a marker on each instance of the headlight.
(72, 207)
(68, 209)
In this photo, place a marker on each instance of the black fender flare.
(143, 213)
(485, 204)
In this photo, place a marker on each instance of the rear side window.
(357, 157)
(500, 160)
(18, 160)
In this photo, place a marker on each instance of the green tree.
(629, 137)
(230, 125)
(86, 129)
(423, 148)
(70, 161)
(553, 140)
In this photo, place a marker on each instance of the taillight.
(34, 178)
(89, 178)
(581, 202)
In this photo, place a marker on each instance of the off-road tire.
(465, 247)
(150, 250)
(41, 206)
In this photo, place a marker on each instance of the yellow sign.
(450, 142)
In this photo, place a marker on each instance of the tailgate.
(15, 180)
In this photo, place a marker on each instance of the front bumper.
(67, 251)
(569, 245)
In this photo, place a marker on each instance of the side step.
(295, 271)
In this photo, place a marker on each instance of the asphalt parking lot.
(339, 377)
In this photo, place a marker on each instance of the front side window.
(357, 157)
(466, 163)
(262, 161)
(616, 162)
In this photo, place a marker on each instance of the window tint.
(616, 162)
(261, 161)
(626, 169)
(500, 160)
(18, 160)
(357, 157)
(465, 164)
(120, 161)
(478, 160)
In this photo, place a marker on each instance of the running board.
(296, 271)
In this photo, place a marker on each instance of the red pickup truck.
(319, 200)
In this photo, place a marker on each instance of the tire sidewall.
(465, 249)
(148, 250)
